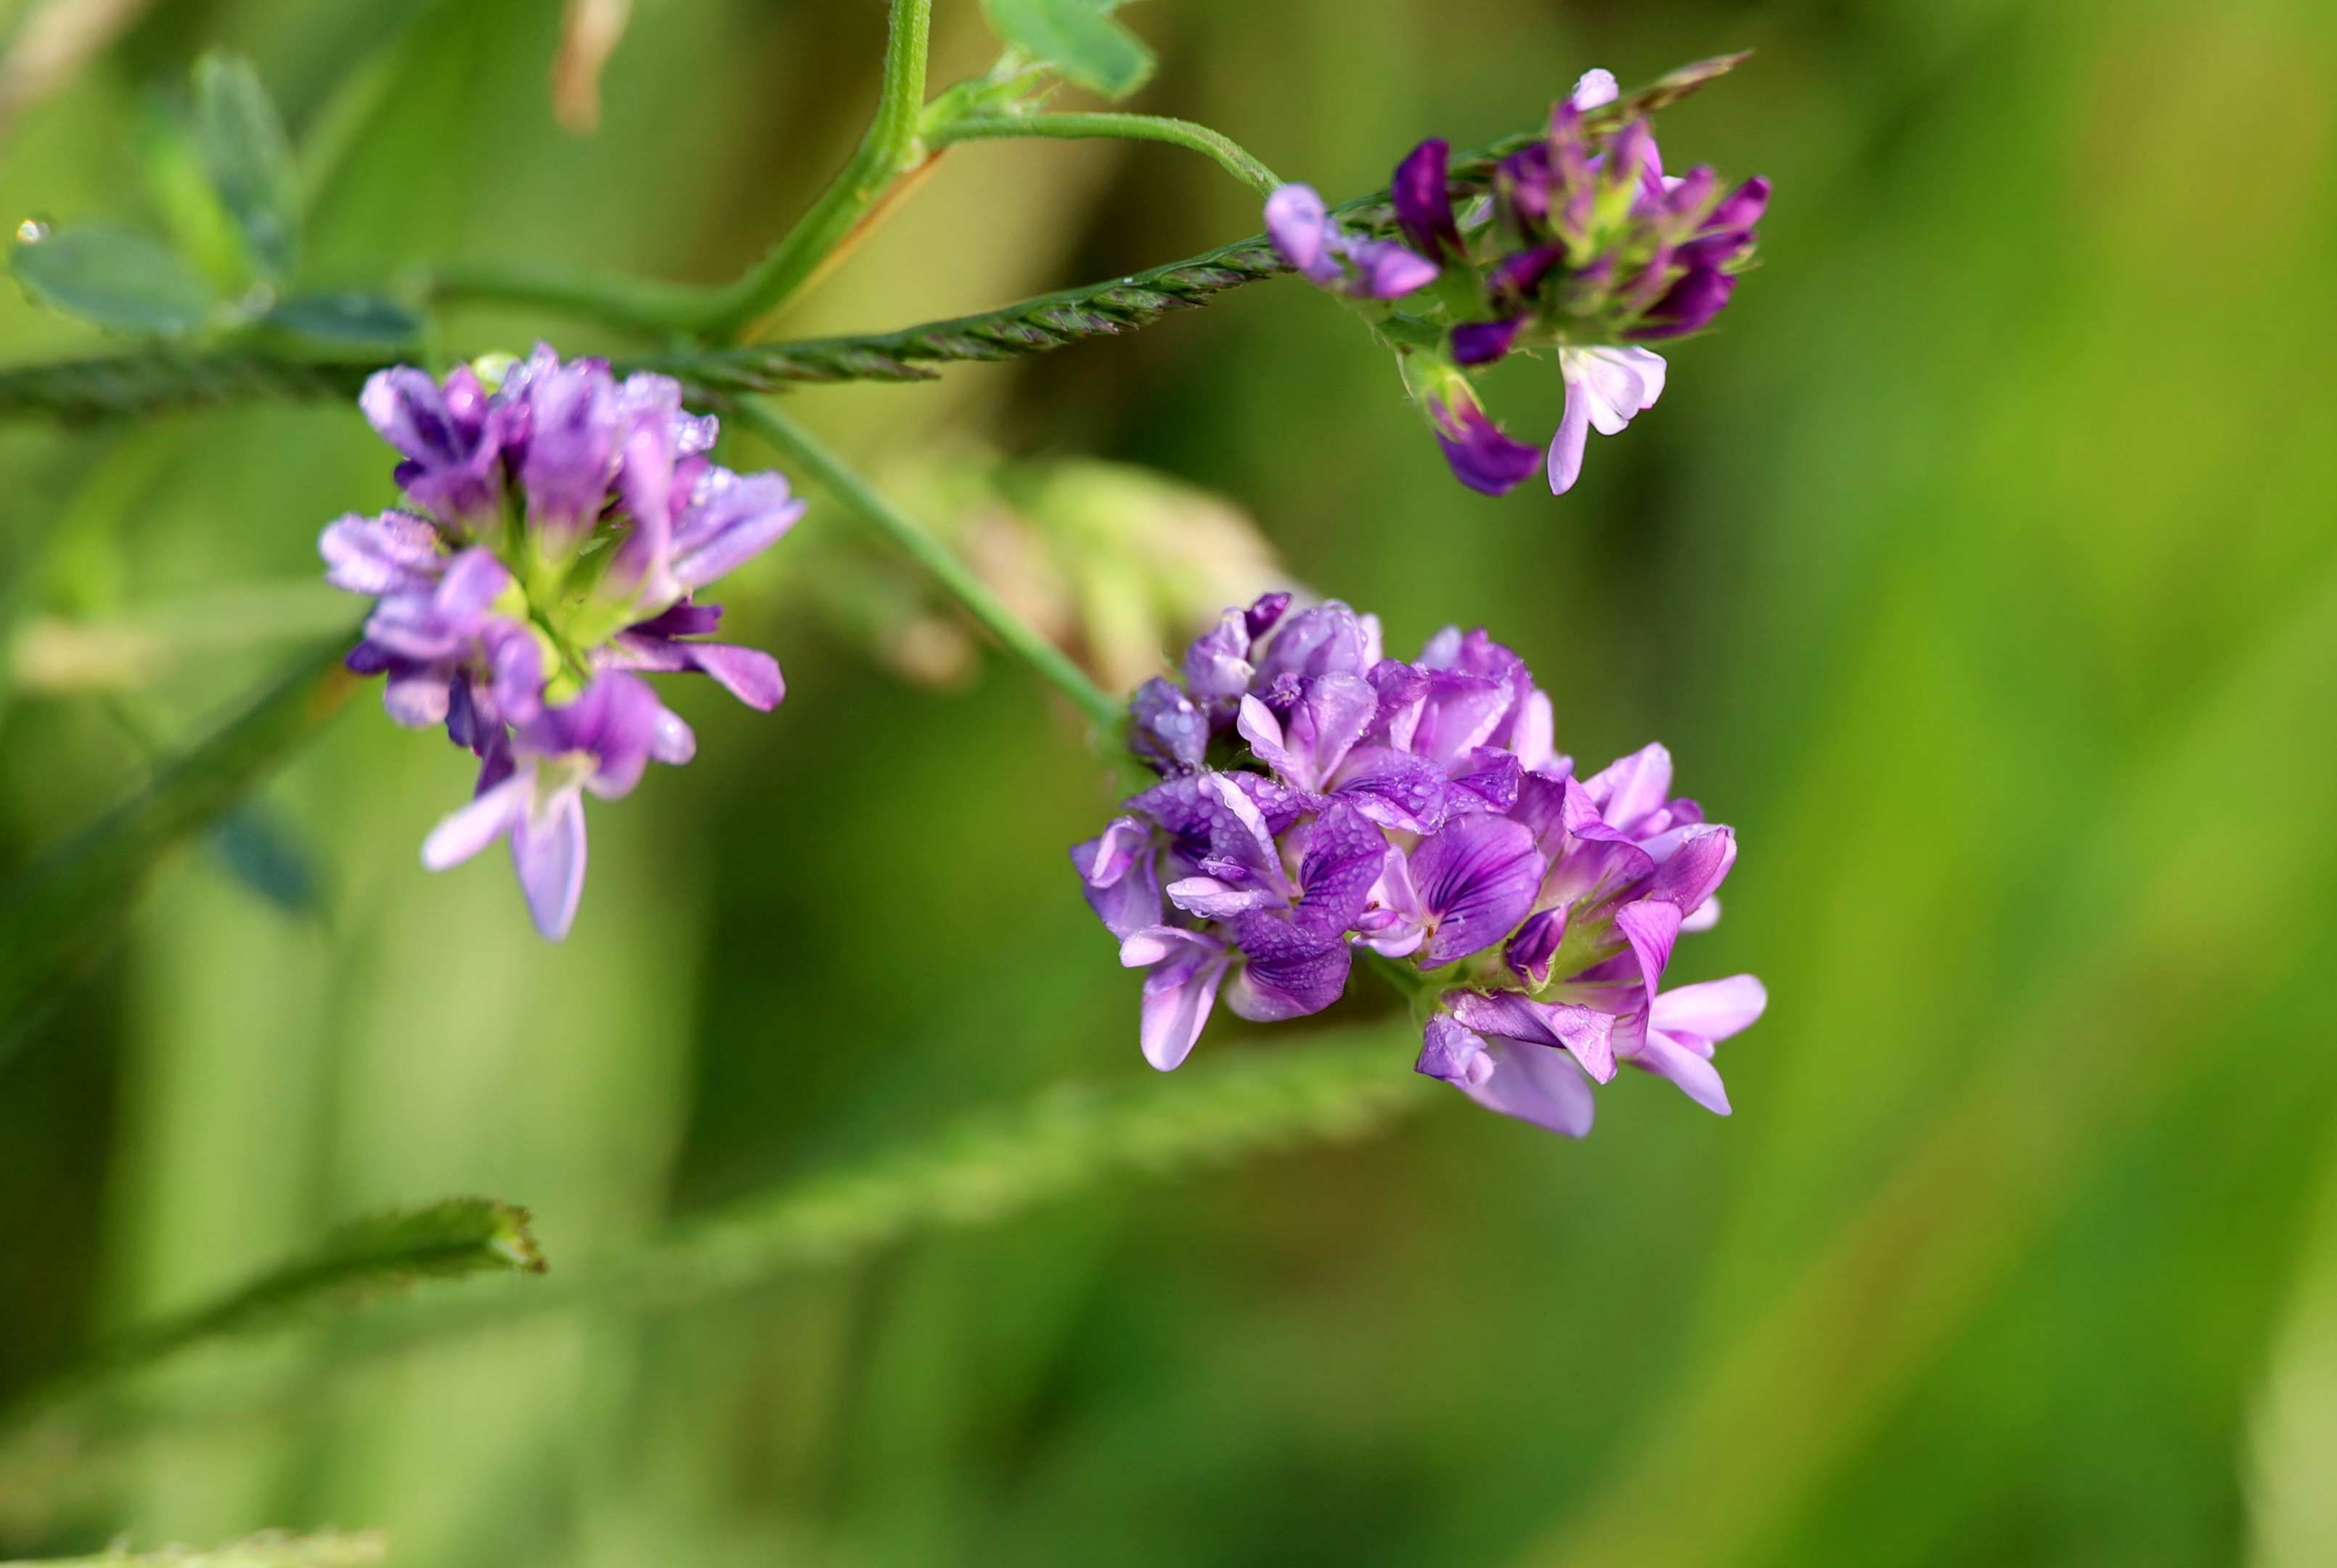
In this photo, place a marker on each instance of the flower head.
(1318, 797)
(561, 522)
(1584, 245)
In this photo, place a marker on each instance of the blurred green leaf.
(269, 1549)
(1076, 37)
(115, 277)
(249, 159)
(346, 316)
(258, 850)
(61, 909)
(200, 226)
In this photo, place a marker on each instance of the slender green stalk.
(845, 483)
(271, 1549)
(1229, 154)
(631, 304)
(891, 149)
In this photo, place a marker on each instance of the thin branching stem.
(891, 149)
(845, 483)
(1229, 154)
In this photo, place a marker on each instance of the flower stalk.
(813, 457)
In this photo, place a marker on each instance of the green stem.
(633, 303)
(891, 149)
(1229, 154)
(840, 480)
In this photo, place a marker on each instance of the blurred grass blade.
(1245, 1103)
(1078, 38)
(271, 1549)
(249, 159)
(444, 1240)
(260, 850)
(113, 276)
(61, 909)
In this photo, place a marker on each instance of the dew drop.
(32, 232)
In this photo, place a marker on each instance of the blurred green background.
(1982, 572)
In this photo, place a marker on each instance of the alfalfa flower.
(1582, 245)
(561, 522)
(1319, 798)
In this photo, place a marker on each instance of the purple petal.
(1289, 974)
(1166, 729)
(1483, 342)
(1696, 869)
(1394, 789)
(1594, 89)
(1329, 639)
(1217, 664)
(1651, 926)
(1530, 951)
(1386, 271)
(749, 674)
(1711, 1011)
(1186, 967)
(732, 519)
(1585, 1034)
(1423, 205)
(1689, 305)
(1631, 789)
(1298, 224)
(1573, 434)
(1478, 876)
(1480, 455)
(396, 552)
(1264, 613)
(1453, 1054)
(461, 833)
(1536, 1084)
(1667, 1057)
(547, 848)
(1119, 878)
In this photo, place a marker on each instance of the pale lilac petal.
(1696, 1079)
(1539, 1084)
(1702, 917)
(749, 674)
(1386, 271)
(396, 552)
(1534, 737)
(460, 834)
(672, 741)
(1298, 224)
(1651, 926)
(1631, 789)
(1566, 446)
(1711, 1009)
(732, 519)
(1213, 900)
(1453, 1054)
(547, 847)
(1594, 89)
(1187, 968)
(417, 699)
(1698, 866)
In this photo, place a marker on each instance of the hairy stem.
(891, 149)
(1229, 154)
(845, 483)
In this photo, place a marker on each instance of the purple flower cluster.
(1317, 797)
(1586, 246)
(561, 522)
(1589, 246)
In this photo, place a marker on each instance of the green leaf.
(57, 913)
(268, 1549)
(1078, 38)
(256, 848)
(346, 316)
(249, 159)
(114, 276)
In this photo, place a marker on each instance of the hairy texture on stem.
(1072, 1139)
(156, 380)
